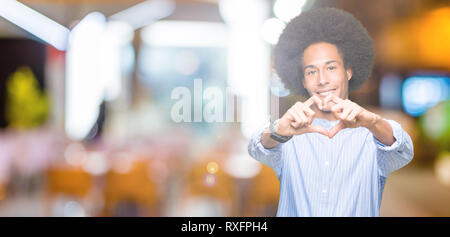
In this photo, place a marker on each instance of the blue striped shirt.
(342, 176)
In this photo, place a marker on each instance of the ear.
(349, 73)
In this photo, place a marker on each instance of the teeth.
(325, 93)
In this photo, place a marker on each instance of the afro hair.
(329, 25)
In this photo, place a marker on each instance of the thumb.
(317, 129)
(334, 130)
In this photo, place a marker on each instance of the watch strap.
(275, 136)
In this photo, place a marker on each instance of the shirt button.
(327, 163)
(324, 191)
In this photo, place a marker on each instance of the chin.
(326, 110)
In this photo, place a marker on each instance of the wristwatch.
(275, 136)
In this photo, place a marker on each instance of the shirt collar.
(325, 123)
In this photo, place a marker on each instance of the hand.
(350, 114)
(297, 120)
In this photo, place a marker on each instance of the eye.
(331, 68)
(310, 72)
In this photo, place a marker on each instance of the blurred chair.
(262, 198)
(132, 193)
(2, 191)
(209, 191)
(66, 181)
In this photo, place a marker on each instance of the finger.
(297, 119)
(346, 112)
(318, 129)
(308, 111)
(292, 119)
(334, 130)
(314, 99)
(309, 114)
(336, 99)
(337, 108)
(332, 98)
(302, 115)
(353, 114)
(327, 99)
(300, 118)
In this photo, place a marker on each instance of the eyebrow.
(326, 63)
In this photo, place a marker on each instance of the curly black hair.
(329, 25)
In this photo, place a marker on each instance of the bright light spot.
(185, 34)
(96, 163)
(247, 59)
(116, 36)
(421, 93)
(96, 59)
(122, 163)
(73, 209)
(158, 171)
(241, 165)
(187, 63)
(145, 13)
(212, 167)
(243, 13)
(75, 154)
(201, 206)
(288, 9)
(35, 23)
(272, 29)
(391, 91)
(210, 180)
(118, 32)
(277, 87)
(436, 121)
(84, 85)
(442, 168)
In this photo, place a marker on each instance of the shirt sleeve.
(400, 153)
(271, 157)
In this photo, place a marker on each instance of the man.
(331, 155)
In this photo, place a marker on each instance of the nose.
(323, 79)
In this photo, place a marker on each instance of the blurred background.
(145, 108)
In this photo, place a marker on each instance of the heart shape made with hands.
(345, 110)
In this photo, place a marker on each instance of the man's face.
(324, 72)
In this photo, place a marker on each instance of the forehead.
(320, 53)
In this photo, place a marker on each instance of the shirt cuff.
(267, 151)
(260, 146)
(271, 157)
(398, 135)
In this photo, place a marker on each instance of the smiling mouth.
(325, 92)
